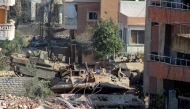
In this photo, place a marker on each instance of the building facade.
(7, 30)
(167, 53)
(80, 13)
(132, 25)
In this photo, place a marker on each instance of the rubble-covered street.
(21, 102)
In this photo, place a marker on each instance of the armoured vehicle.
(131, 70)
(71, 79)
(46, 68)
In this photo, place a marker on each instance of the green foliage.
(157, 101)
(106, 40)
(2, 62)
(47, 90)
(9, 47)
(37, 89)
(31, 69)
(34, 87)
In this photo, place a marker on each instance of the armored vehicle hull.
(45, 68)
(73, 80)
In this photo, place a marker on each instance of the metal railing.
(168, 60)
(6, 27)
(182, 62)
(7, 31)
(170, 5)
(159, 58)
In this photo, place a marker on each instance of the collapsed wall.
(13, 85)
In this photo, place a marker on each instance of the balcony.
(180, 43)
(7, 31)
(169, 12)
(167, 68)
(7, 2)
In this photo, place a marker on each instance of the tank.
(73, 80)
(46, 68)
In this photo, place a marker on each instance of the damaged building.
(167, 52)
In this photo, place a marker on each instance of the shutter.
(2, 16)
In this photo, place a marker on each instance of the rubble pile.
(16, 102)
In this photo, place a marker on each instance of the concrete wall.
(140, 21)
(13, 85)
(133, 21)
(180, 43)
(83, 8)
(168, 16)
(109, 9)
(34, 29)
(180, 29)
(134, 48)
(133, 8)
(123, 19)
(168, 71)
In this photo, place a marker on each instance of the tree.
(106, 40)
(9, 47)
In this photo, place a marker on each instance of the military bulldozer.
(46, 68)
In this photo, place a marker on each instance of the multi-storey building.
(80, 13)
(132, 25)
(7, 30)
(167, 65)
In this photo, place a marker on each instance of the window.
(137, 37)
(92, 16)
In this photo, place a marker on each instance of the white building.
(132, 25)
(7, 30)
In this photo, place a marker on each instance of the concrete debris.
(43, 107)
(105, 100)
(16, 102)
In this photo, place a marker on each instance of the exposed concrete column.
(160, 83)
(60, 13)
(6, 14)
(161, 44)
(33, 11)
(147, 48)
(161, 39)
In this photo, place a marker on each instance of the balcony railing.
(159, 58)
(7, 31)
(170, 5)
(5, 27)
(169, 60)
(7, 2)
